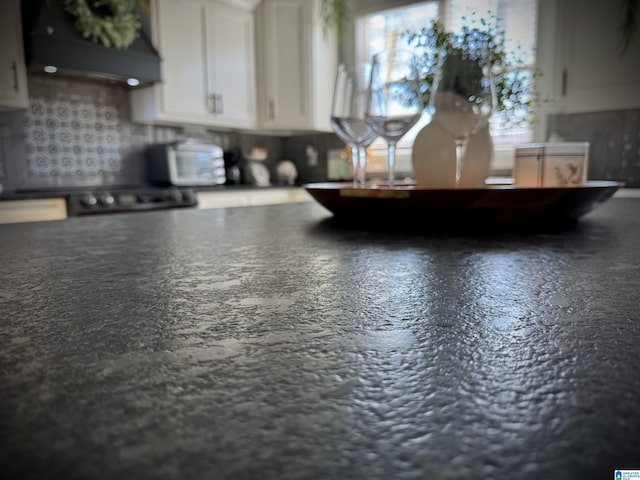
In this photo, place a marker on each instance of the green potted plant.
(475, 45)
(460, 59)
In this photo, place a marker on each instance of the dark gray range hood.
(50, 38)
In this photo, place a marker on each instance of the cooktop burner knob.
(189, 196)
(174, 195)
(143, 198)
(107, 200)
(89, 200)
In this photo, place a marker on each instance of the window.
(383, 29)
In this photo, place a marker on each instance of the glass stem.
(354, 160)
(461, 152)
(392, 163)
(362, 156)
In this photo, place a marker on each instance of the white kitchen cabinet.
(231, 43)
(208, 66)
(579, 56)
(13, 75)
(296, 66)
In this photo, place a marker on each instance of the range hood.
(51, 40)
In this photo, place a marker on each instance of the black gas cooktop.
(129, 200)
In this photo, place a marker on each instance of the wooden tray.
(461, 206)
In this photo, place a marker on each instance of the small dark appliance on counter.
(186, 163)
(234, 166)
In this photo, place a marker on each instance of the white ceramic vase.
(434, 159)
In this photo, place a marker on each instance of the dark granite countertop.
(271, 343)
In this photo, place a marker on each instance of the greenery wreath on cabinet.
(113, 23)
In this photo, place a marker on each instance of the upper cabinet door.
(285, 64)
(13, 75)
(207, 51)
(296, 66)
(231, 64)
(181, 42)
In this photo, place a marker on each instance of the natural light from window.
(384, 29)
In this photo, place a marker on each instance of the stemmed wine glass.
(463, 97)
(395, 103)
(348, 115)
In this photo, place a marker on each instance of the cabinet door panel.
(296, 63)
(13, 78)
(287, 64)
(231, 72)
(598, 77)
(181, 35)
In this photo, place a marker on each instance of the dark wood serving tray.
(491, 204)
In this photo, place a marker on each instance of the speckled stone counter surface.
(270, 343)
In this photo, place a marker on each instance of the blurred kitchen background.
(66, 131)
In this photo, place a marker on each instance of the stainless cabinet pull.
(271, 112)
(215, 102)
(14, 67)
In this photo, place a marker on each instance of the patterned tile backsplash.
(78, 133)
(74, 137)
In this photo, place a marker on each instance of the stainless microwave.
(186, 164)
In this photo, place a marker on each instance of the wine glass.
(395, 103)
(348, 115)
(463, 98)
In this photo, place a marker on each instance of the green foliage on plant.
(461, 75)
(333, 15)
(478, 44)
(113, 23)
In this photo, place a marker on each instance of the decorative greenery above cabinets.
(334, 15)
(113, 23)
